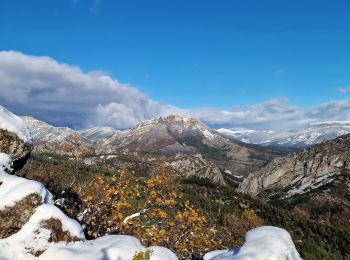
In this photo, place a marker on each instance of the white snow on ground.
(33, 237)
(117, 247)
(14, 124)
(5, 162)
(263, 243)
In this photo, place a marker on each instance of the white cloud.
(63, 95)
(344, 90)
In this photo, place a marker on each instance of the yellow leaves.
(165, 218)
(153, 194)
(161, 214)
(250, 215)
(169, 202)
(120, 216)
(178, 216)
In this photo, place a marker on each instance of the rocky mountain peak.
(172, 120)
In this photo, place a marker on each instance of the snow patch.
(5, 162)
(113, 247)
(209, 135)
(263, 243)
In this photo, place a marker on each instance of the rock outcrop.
(300, 172)
(18, 149)
(197, 166)
(13, 218)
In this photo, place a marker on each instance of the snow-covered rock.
(15, 139)
(263, 243)
(14, 189)
(14, 124)
(114, 247)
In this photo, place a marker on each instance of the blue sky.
(194, 54)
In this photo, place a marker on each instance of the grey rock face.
(196, 166)
(299, 172)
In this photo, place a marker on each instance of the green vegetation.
(143, 255)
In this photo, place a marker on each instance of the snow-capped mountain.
(174, 134)
(45, 133)
(252, 136)
(165, 136)
(42, 132)
(168, 133)
(313, 134)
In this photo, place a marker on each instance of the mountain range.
(184, 144)
(188, 145)
(313, 134)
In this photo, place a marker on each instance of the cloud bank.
(64, 95)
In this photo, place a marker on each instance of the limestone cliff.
(300, 172)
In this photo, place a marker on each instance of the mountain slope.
(42, 132)
(100, 135)
(314, 134)
(173, 134)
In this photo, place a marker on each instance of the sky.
(271, 65)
